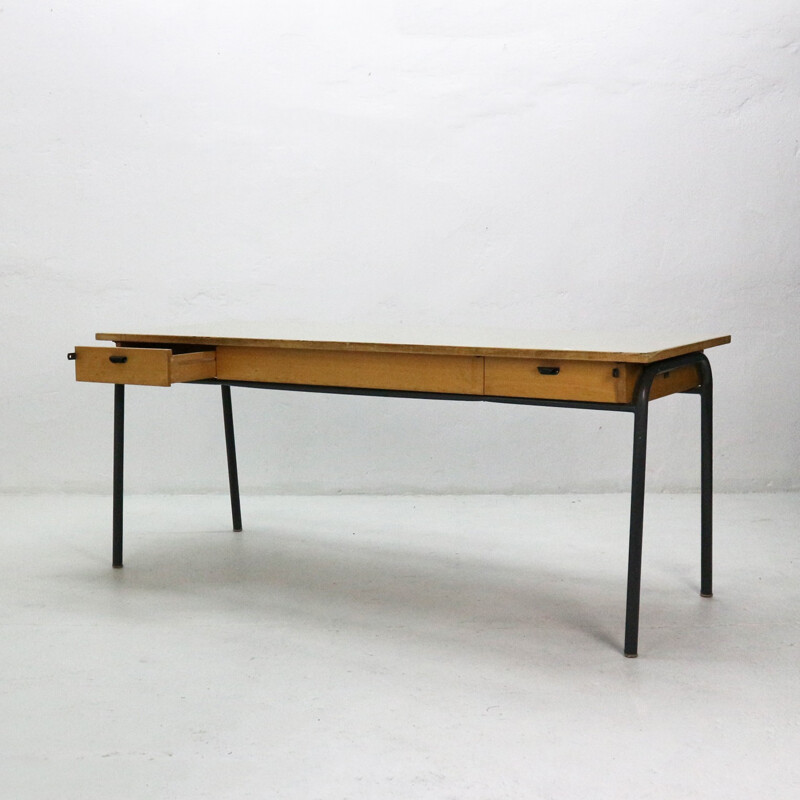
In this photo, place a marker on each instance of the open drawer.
(147, 366)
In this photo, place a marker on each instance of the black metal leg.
(706, 439)
(637, 526)
(119, 447)
(230, 443)
(640, 406)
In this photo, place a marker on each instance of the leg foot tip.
(706, 594)
(631, 655)
(117, 566)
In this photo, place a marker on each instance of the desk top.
(642, 347)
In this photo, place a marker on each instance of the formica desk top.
(637, 347)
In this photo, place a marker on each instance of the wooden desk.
(609, 372)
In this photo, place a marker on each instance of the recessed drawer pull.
(118, 359)
(549, 370)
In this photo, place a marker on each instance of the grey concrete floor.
(396, 647)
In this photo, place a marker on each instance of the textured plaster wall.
(556, 164)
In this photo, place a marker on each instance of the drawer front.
(146, 366)
(587, 381)
(409, 372)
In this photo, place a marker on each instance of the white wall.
(512, 163)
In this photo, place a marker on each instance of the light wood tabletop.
(630, 346)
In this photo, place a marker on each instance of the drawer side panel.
(193, 366)
(676, 380)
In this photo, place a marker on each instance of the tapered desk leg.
(637, 525)
(119, 447)
(230, 443)
(706, 418)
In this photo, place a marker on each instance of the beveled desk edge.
(634, 357)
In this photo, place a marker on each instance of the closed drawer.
(412, 372)
(147, 366)
(587, 381)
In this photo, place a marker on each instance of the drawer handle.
(549, 370)
(118, 359)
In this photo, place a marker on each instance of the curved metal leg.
(706, 459)
(641, 400)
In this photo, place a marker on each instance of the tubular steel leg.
(119, 447)
(637, 525)
(641, 400)
(230, 443)
(706, 439)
